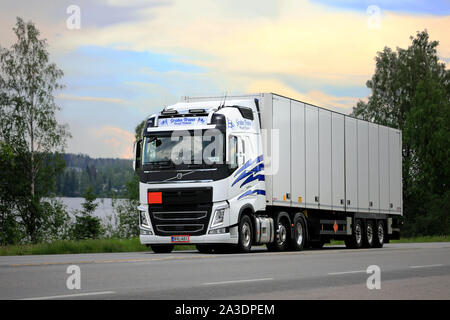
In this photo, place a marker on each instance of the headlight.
(218, 231)
(143, 219)
(219, 216)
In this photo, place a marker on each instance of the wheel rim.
(299, 233)
(358, 233)
(246, 234)
(282, 234)
(369, 233)
(380, 234)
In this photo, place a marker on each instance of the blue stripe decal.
(259, 177)
(250, 192)
(249, 163)
(245, 174)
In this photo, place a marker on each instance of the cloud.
(306, 39)
(315, 97)
(81, 98)
(119, 142)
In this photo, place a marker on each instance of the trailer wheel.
(299, 233)
(245, 234)
(356, 239)
(204, 248)
(379, 235)
(162, 248)
(369, 234)
(282, 233)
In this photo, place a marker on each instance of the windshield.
(199, 147)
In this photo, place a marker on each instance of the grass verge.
(82, 246)
(404, 240)
(134, 245)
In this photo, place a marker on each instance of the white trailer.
(311, 175)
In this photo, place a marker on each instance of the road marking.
(235, 281)
(71, 295)
(426, 266)
(346, 272)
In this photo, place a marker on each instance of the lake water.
(104, 208)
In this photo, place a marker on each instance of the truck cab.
(200, 166)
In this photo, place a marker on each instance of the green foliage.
(87, 226)
(30, 136)
(106, 176)
(410, 90)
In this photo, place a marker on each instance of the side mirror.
(137, 155)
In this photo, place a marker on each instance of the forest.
(107, 177)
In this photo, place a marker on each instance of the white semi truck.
(232, 172)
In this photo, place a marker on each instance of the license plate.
(179, 239)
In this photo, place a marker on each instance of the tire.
(245, 234)
(162, 248)
(369, 235)
(299, 235)
(379, 235)
(282, 233)
(356, 239)
(204, 248)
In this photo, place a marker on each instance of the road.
(408, 271)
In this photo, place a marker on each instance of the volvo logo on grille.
(179, 176)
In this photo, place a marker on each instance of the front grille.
(185, 211)
(177, 228)
(183, 215)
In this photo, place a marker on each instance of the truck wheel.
(379, 235)
(245, 234)
(356, 239)
(204, 248)
(369, 234)
(299, 233)
(162, 248)
(282, 233)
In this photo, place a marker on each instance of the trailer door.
(395, 174)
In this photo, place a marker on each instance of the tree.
(27, 83)
(410, 90)
(87, 226)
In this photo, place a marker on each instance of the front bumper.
(204, 239)
(147, 235)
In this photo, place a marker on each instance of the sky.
(125, 60)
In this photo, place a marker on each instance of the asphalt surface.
(407, 271)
